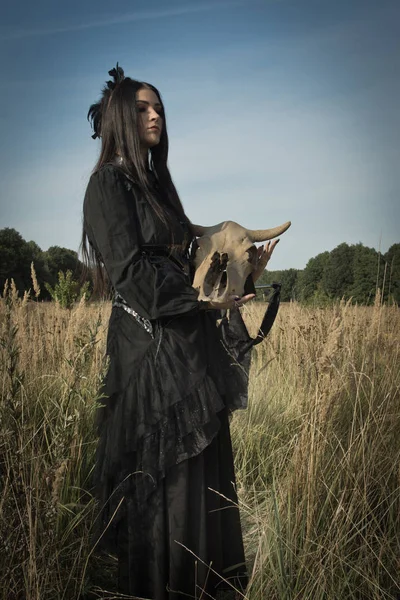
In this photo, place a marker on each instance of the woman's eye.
(142, 109)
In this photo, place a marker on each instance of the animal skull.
(225, 257)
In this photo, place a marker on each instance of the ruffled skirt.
(164, 467)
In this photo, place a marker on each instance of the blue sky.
(277, 110)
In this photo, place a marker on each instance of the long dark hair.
(115, 121)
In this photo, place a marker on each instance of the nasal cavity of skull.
(216, 277)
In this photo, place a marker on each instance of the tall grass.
(317, 456)
(51, 366)
(317, 452)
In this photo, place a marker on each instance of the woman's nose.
(153, 115)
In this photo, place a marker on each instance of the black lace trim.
(131, 462)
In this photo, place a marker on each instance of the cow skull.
(226, 256)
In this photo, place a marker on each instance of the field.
(317, 453)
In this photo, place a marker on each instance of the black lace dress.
(164, 468)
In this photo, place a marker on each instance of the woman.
(164, 469)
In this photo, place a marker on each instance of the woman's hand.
(233, 302)
(264, 254)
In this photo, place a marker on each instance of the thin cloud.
(119, 19)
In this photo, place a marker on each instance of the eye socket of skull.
(253, 254)
(216, 276)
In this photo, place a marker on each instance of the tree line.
(17, 255)
(348, 271)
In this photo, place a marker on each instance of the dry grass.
(318, 455)
(317, 452)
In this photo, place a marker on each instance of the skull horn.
(261, 235)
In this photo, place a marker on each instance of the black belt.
(181, 260)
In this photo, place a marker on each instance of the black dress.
(164, 468)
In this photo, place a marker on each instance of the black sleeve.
(153, 287)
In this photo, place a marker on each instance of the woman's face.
(150, 120)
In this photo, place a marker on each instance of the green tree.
(267, 277)
(365, 269)
(347, 271)
(289, 284)
(16, 256)
(14, 259)
(311, 279)
(61, 259)
(338, 276)
(287, 278)
(392, 282)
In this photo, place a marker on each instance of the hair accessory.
(118, 75)
(94, 114)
